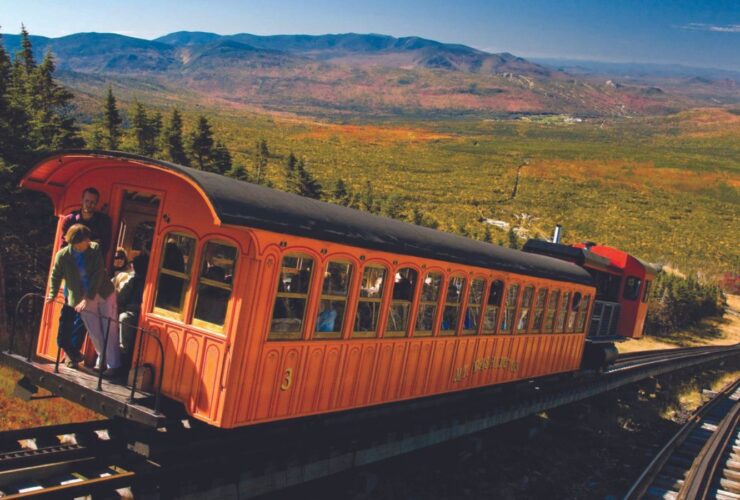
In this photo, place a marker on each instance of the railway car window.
(292, 293)
(451, 312)
(646, 293)
(521, 324)
(632, 288)
(174, 273)
(582, 312)
(473, 311)
(404, 287)
(428, 305)
(368, 306)
(552, 306)
(490, 320)
(215, 283)
(570, 323)
(333, 305)
(539, 309)
(512, 293)
(562, 312)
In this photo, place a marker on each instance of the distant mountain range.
(350, 73)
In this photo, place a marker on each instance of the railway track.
(700, 461)
(67, 461)
(114, 457)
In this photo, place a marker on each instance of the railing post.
(103, 360)
(139, 348)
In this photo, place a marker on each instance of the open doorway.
(137, 221)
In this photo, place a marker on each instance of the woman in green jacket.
(80, 264)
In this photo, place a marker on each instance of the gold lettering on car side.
(482, 364)
(287, 379)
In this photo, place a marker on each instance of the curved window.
(333, 305)
(215, 284)
(539, 309)
(490, 319)
(404, 286)
(562, 312)
(582, 313)
(368, 305)
(570, 323)
(174, 273)
(473, 311)
(292, 294)
(552, 306)
(512, 293)
(523, 321)
(428, 303)
(451, 312)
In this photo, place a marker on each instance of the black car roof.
(242, 203)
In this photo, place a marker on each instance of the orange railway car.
(272, 306)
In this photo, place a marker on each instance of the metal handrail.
(150, 333)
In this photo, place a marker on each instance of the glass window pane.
(330, 319)
(425, 320)
(367, 317)
(404, 287)
(455, 290)
(174, 275)
(292, 294)
(214, 290)
(178, 253)
(512, 293)
(539, 309)
(551, 308)
(562, 311)
(430, 290)
(497, 290)
(337, 279)
(373, 279)
(582, 312)
(490, 320)
(449, 320)
(632, 288)
(526, 305)
(473, 311)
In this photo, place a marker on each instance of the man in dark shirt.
(98, 223)
(71, 328)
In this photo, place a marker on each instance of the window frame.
(182, 315)
(455, 328)
(564, 308)
(548, 327)
(537, 293)
(358, 334)
(486, 305)
(470, 332)
(520, 308)
(316, 335)
(505, 307)
(387, 333)
(277, 294)
(438, 304)
(635, 291)
(212, 327)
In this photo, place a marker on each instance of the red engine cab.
(622, 286)
(625, 282)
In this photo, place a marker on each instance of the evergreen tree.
(367, 199)
(513, 239)
(291, 165)
(5, 132)
(25, 54)
(392, 206)
(112, 121)
(173, 142)
(238, 172)
(487, 234)
(146, 130)
(201, 145)
(221, 158)
(340, 194)
(261, 154)
(303, 183)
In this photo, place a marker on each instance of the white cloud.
(727, 28)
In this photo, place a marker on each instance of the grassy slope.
(665, 189)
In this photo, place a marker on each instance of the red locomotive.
(315, 307)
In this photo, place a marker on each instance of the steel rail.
(649, 475)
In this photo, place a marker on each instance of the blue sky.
(697, 33)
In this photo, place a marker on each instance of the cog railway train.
(318, 308)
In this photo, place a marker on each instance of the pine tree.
(5, 132)
(392, 206)
(367, 199)
(238, 172)
(25, 54)
(261, 154)
(290, 173)
(487, 234)
(173, 142)
(112, 121)
(139, 128)
(201, 145)
(513, 240)
(221, 158)
(303, 183)
(340, 194)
